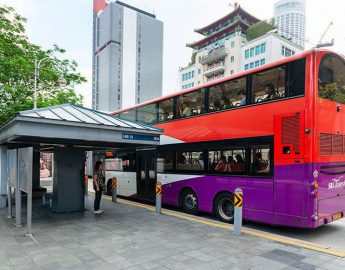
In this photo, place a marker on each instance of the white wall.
(129, 55)
(191, 80)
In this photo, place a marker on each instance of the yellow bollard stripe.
(158, 189)
(252, 232)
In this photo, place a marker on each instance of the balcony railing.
(214, 69)
(215, 54)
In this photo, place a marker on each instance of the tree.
(17, 67)
(259, 29)
(192, 59)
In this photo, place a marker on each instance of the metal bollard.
(158, 198)
(114, 189)
(238, 202)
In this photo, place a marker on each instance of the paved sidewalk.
(128, 237)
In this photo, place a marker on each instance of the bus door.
(146, 174)
(290, 183)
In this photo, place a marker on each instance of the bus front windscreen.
(332, 78)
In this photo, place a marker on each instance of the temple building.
(225, 50)
(218, 53)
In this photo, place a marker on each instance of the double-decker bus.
(276, 131)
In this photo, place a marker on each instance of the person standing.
(98, 186)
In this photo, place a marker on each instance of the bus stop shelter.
(68, 131)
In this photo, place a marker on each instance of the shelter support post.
(9, 202)
(3, 176)
(18, 198)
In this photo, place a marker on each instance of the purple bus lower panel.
(286, 200)
(331, 191)
(258, 193)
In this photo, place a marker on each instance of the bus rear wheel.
(224, 207)
(189, 201)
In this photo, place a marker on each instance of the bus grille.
(291, 132)
(331, 144)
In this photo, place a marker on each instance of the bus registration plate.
(336, 216)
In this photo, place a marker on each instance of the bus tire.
(223, 207)
(189, 201)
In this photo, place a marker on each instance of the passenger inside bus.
(271, 92)
(216, 106)
(163, 115)
(241, 94)
(260, 160)
(221, 165)
(224, 103)
(240, 165)
(185, 110)
(265, 166)
(230, 163)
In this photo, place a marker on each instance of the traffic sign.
(159, 189)
(114, 183)
(238, 200)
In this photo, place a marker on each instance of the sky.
(68, 23)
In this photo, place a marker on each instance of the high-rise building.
(127, 56)
(218, 53)
(289, 16)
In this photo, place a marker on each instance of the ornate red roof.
(240, 24)
(237, 11)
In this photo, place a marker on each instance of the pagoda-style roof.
(240, 25)
(237, 12)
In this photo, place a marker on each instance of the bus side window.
(229, 160)
(148, 114)
(227, 95)
(261, 159)
(296, 78)
(166, 110)
(167, 160)
(190, 161)
(268, 85)
(191, 104)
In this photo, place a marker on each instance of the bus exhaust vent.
(291, 132)
(331, 144)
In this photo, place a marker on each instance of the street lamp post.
(62, 81)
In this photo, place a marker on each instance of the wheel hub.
(190, 201)
(226, 209)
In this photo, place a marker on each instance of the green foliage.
(192, 59)
(17, 67)
(332, 91)
(259, 29)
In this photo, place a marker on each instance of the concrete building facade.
(127, 56)
(265, 49)
(289, 16)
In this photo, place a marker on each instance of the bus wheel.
(224, 207)
(190, 203)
